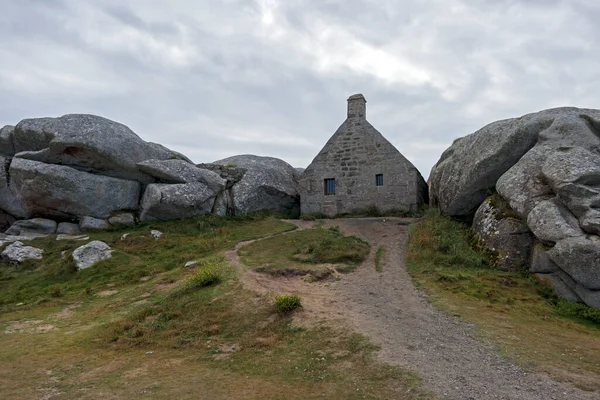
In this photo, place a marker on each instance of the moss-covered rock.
(501, 233)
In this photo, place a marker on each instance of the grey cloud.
(211, 80)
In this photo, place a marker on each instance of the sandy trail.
(393, 314)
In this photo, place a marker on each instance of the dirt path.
(386, 307)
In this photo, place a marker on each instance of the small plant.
(287, 302)
(209, 274)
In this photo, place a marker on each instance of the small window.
(379, 179)
(329, 186)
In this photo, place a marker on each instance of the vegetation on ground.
(138, 256)
(516, 311)
(135, 326)
(287, 302)
(209, 273)
(368, 212)
(310, 251)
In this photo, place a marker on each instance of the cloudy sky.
(215, 78)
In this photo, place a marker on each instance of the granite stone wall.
(354, 155)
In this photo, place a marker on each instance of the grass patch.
(306, 252)
(134, 325)
(286, 303)
(379, 258)
(210, 273)
(137, 257)
(513, 310)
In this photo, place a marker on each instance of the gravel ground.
(387, 308)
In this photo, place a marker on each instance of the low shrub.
(287, 302)
(209, 274)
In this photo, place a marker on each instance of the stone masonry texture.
(353, 156)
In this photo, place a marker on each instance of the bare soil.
(387, 308)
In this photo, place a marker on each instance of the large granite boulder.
(89, 143)
(503, 235)
(9, 203)
(546, 165)
(176, 201)
(468, 170)
(65, 193)
(179, 171)
(7, 148)
(550, 221)
(580, 258)
(574, 175)
(268, 184)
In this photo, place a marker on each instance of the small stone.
(89, 254)
(68, 228)
(71, 237)
(93, 224)
(16, 252)
(122, 219)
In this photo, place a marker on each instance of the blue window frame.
(379, 179)
(329, 186)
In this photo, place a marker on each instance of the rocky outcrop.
(550, 221)
(91, 253)
(165, 202)
(505, 237)
(6, 141)
(96, 173)
(63, 192)
(89, 143)
(546, 166)
(268, 184)
(178, 171)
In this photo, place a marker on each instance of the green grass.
(210, 273)
(287, 302)
(137, 257)
(306, 252)
(141, 324)
(514, 310)
(379, 258)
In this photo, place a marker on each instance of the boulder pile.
(531, 186)
(82, 172)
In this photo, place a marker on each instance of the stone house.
(358, 168)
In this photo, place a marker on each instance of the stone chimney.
(357, 106)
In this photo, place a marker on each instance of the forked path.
(387, 308)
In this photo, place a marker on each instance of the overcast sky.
(215, 78)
